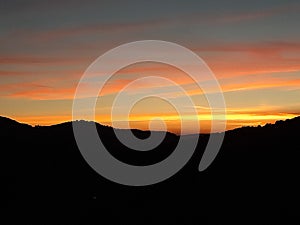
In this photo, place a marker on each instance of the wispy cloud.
(21, 59)
(233, 16)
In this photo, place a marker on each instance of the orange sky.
(252, 47)
(244, 94)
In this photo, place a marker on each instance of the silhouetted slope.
(253, 180)
(7, 124)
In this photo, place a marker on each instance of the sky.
(252, 47)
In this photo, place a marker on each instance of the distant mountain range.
(253, 180)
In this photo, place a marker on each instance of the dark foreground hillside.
(253, 180)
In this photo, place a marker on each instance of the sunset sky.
(253, 48)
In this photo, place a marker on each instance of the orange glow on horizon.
(172, 121)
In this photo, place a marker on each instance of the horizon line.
(149, 130)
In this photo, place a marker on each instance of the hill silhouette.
(253, 180)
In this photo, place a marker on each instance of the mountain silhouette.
(253, 180)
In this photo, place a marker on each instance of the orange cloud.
(259, 48)
(45, 93)
(235, 59)
(14, 73)
(20, 59)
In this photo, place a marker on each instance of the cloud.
(259, 48)
(242, 58)
(230, 17)
(90, 29)
(21, 59)
(45, 93)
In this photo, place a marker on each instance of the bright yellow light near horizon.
(50, 120)
(262, 117)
